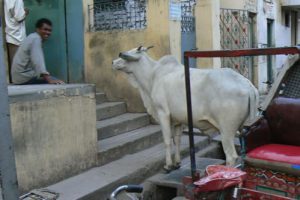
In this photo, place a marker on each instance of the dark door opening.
(294, 28)
(270, 44)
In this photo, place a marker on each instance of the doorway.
(237, 32)
(188, 32)
(64, 50)
(294, 28)
(252, 44)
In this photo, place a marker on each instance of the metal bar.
(243, 52)
(190, 117)
(8, 178)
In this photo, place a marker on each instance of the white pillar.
(207, 13)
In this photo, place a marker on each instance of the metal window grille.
(118, 15)
(234, 27)
(187, 16)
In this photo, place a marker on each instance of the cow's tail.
(253, 105)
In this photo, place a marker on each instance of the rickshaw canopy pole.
(190, 118)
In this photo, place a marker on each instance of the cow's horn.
(150, 47)
(129, 57)
(139, 48)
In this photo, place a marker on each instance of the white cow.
(222, 99)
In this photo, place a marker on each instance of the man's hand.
(26, 11)
(48, 78)
(56, 81)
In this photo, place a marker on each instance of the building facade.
(83, 46)
(208, 24)
(261, 24)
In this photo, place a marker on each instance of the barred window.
(107, 1)
(187, 16)
(119, 15)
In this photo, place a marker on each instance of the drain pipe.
(8, 176)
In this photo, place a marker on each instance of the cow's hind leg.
(165, 124)
(177, 139)
(227, 136)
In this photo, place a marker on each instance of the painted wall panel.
(75, 27)
(104, 46)
(55, 46)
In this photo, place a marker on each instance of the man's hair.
(42, 21)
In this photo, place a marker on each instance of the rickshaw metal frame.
(220, 53)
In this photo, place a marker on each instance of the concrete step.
(237, 143)
(99, 182)
(113, 148)
(121, 124)
(100, 97)
(167, 186)
(110, 109)
(218, 138)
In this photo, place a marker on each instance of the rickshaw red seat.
(273, 142)
(278, 153)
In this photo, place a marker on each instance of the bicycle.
(130, 190)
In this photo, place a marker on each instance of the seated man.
(28, 64)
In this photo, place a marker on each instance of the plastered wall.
(104, 46)
(54, 137)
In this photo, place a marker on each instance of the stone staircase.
(120, 132)
(130, 150)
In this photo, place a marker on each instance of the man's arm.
(17, 10)
(38, 61)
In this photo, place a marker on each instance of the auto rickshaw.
(270, 145)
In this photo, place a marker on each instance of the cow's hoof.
(168, 169)
(176, 166)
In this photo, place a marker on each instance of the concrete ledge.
(23, 93)
(54, 132)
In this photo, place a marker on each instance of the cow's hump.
(169, 60)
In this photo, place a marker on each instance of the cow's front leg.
(164, 120)
(177, 139)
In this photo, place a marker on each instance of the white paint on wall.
(282, 35)
(281, 38)
(262, 43)
(264, 10)
(290, 2)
